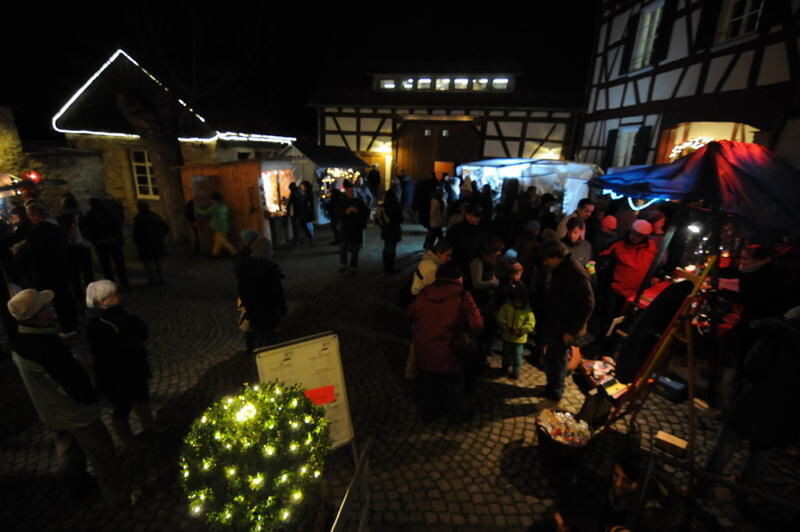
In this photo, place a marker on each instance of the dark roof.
(330, 156)
(94, 108)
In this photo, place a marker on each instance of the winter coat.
(631, 264)
(511, 318)
(436, 312)
(581, 250)
(569, 301)
(392, 231)
(116, 342)
(352, 224)
(261, 292)
(762, 410)
(220, 218)
(149, 230)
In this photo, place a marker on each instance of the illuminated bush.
(251, 461)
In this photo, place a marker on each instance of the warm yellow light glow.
(293, 447)
(246, 413)
(297, 496)
(204, 419)
(269, 450)
(285, 515)
(257, 481)
(231, 472)
(197, 509)
(691, 144)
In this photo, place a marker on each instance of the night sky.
(254, 66)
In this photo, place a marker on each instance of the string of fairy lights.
(251, 460)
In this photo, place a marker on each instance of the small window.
(427, 132)
(387, 84)
(442, 84)
(624, 148)
(424, 84)
(461, 84)
(408, 84)
(480, 84)
(649, 20)
(144, 181)
(500, 84)
(445, 133)
(739, 17)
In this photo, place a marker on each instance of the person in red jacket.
(436, 312)
(632, 258)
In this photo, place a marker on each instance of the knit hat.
(643, 227)
(27, 303)
(515, 268)
(609, 223)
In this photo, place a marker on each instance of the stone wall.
(11, 156)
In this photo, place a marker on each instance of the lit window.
(461, 83)
(424, 83)
(408, 84)
(500, 84)
(387, 84)
(427, 132)
(445, 133)
(646, 35)
(480, 84)
(442, 84)
(143, 179)
(624, 148)
(739, 17)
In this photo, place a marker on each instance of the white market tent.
(567, 178)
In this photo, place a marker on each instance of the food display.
(564, 427)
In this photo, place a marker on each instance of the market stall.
(567, 180)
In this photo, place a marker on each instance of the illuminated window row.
(444, 83)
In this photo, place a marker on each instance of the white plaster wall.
(689, 83)
(665, 84)
(715, 71)
(774, 66)
(738, 77)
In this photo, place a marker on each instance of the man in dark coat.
(104, 231)
(353, 215)
(568, 304)
(391, 230)
(467, 236)
(47, 256)
(261, 294)
(149, 231)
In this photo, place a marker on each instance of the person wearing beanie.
(116, 341)
(65, 400)
(631, 259)
(606, 236)
(436, 313)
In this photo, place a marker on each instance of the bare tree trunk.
(157, 126)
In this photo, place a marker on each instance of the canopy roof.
(748, 179)
(541, 167)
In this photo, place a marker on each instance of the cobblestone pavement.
(483, 475)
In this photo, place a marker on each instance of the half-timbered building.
(669, 75)
(423, 119)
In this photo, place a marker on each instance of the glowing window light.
(387, 84)
(461, 83)
(691, 144)
(500, 84)
(408, 84)
(442, 84)
(424, 83)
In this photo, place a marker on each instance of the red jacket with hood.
(435, 312)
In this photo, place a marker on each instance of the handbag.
(464, 345)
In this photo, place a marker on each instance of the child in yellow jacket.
(516, 320)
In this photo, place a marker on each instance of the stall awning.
(749, 180)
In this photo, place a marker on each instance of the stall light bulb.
(285, 515)
(297, 495)
(231, 471)
(197, 509)
(694, 228)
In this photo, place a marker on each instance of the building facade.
(432, 121)
(670, 75)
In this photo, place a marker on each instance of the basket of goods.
(561, 433)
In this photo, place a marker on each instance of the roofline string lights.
(218, 135)
(631, 204)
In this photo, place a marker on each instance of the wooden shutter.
(611, 147)
(629, 42)
(707, 28)
(664, 32)
(641, 145)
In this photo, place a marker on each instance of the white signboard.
(314, 363)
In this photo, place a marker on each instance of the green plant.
(251, 461)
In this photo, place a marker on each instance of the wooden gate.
(421, 143)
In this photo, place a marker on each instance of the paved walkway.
(484, 475)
